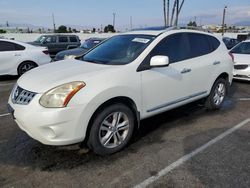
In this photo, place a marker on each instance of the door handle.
(216, 63)
(17, 54)
(185, 70)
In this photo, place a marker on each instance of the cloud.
(233, 15)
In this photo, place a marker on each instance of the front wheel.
(111, 130)
(217, 95)
(25, 67)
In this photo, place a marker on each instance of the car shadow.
(8, 78)
(21, 150)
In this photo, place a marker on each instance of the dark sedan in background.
(87, 45)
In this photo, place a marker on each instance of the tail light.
(46, 52)
(232, 56)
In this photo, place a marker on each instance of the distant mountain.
(243, 23)
(23, 25)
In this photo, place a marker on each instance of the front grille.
(240, 67)
(22, 96)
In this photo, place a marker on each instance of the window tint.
(19, 47)
(51, 39)
(7, 46)
(199, 45)
(63, 39)
(243, 48)
(176, 47)
(73, 39)
(214, 42)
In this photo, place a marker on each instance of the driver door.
(165, 87)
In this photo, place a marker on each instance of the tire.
(107, 135)
(25, 67)
(217, 95)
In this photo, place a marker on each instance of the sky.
(94, 13)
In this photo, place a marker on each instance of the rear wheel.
(25, 67)
(111, 130)
(217, 95)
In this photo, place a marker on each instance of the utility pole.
(131, 23)
(54, 24)
(168, 13)
(173, 11)
(114, 14)
(223, 20)
(164, 13)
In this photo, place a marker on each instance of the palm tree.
(164, 11)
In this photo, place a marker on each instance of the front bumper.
(243, 74)
(55, 126)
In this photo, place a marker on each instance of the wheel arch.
(25, 61)
(119, 99)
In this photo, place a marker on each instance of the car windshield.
(88, 44)
(40, 39)
(119, 50)
(242, 48)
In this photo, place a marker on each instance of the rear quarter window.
(214, 42)
(199, 45)
(19, 47)
(73, 39)
(63, 39)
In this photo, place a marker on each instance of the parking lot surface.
(173, 149)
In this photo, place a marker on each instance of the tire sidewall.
(19, 69)
(94, 142)
(210, 102)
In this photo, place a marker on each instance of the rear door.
(202, 63)
(63, 42)
(10, 57)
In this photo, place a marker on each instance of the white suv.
(102, 97)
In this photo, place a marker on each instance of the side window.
(7, 46)
(176, 47)
(214, 42)
(199, 45)
(51, 39)
(63, 39)
(73, 39)
(19, 47)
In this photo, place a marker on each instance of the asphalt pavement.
(185, 147)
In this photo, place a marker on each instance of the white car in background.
(241, 54)
(102, 97)
(16, 58)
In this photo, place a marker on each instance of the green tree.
(192, 24)
(2, 31)
(62, 29)
(70, 30)
(109, 28)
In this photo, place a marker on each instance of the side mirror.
(159, 61)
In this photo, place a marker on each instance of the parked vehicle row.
(73, 53)
(100, 98)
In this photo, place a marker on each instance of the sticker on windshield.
(141, 40)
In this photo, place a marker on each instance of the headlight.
(70, 57)
(60, 96)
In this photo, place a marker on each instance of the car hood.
(76, 51)
(242, 58)
(46, 77)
